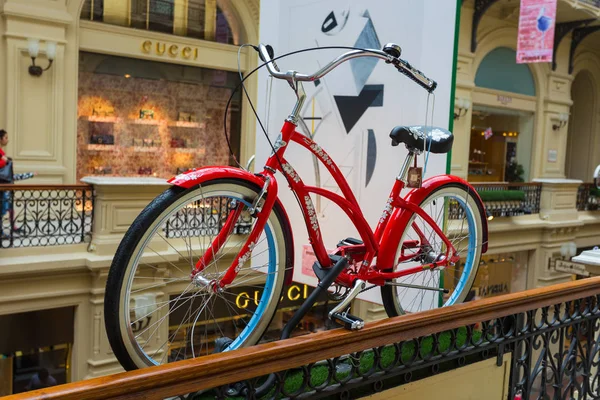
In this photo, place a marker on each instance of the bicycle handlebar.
(388, 54)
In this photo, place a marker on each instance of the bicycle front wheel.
(453, 207)
(156, 313)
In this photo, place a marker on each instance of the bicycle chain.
(369, 288)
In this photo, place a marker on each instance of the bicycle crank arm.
(442, 290)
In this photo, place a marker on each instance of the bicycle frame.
(373, 241)
(347, 202)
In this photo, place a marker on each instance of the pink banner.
(536, 31)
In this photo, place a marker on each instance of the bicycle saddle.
(438, 140)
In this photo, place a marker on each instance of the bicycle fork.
(269, 194)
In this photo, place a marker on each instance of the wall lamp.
(463, 106)
(568, 250)
(563, 118)
(33, 45)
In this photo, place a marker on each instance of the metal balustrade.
(552, 334)
(588, 197)
(46, 215)
(506, 199)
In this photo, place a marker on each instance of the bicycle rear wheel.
(453, 207)
(156, 313)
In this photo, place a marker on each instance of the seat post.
(406, 165)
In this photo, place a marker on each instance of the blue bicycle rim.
(460, 286)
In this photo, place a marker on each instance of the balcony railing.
(506, 199)
(34, 215)
(511, 199)
(591, 2)
(551, 334)
(588, 197)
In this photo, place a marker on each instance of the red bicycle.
(202, 268)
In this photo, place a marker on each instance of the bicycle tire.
(173, 205)
(458, 195)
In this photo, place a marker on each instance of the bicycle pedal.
(349, 242)
(349, 321)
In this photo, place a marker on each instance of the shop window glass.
(201, 19)
(161, 14)
(93, 10)
(32, 341)
(500, 145)
(138, 117)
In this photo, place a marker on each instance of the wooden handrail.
(78, 186)
(509, 184)
(218, 369)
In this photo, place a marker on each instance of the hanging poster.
(535, 42)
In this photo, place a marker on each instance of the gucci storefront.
(160, 109)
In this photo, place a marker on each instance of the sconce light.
(563, 118)
(145, 305)
(568, 250)
(463, 106)
(34, 49)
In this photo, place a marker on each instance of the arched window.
(499, 70)
(201, 19)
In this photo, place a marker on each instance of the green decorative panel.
(499, 70)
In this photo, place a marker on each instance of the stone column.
(558, 208)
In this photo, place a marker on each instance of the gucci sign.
(171, 50)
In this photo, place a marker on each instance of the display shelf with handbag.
(178, 143)
(102, 139)
(145, 171)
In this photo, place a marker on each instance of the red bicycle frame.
(371, 239)
(381, 243)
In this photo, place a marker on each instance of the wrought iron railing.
(206, 218)
(34, 215)
(505, 199)
(588, 197)
(511, 199)
(591, 2)
(552, 334)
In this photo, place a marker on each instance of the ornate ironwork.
(561, 30)
(46, 216)
(578, 35)
(555, 353)
(530, 204)
(480, 7)
(588, 198)
(206, 218)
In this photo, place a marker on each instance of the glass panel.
(499, 70)
(92, 10)
(167, 16)
(139, 17)
(223, 32)
(162, 13)
(196, 19)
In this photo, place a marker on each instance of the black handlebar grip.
(406, 69)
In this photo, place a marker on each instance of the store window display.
(500, 145)
(145, 118)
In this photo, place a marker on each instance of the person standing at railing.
(6, 196)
